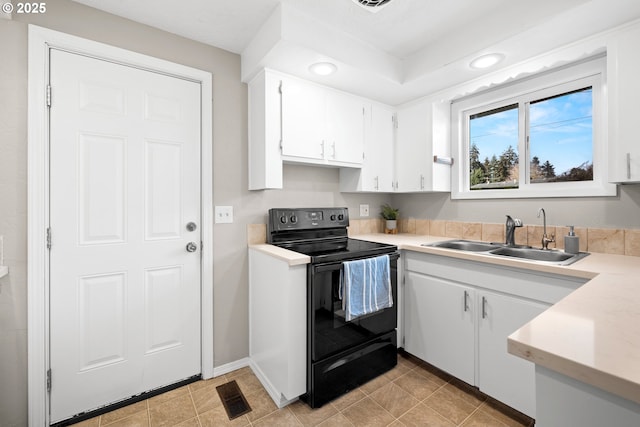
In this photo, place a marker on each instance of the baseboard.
(277, 397)
(230, 367)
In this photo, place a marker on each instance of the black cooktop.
(320, 233)
(339, 249)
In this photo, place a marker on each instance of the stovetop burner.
(320, 233)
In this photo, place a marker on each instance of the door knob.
(191, 247)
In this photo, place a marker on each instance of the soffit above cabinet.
(408, 49)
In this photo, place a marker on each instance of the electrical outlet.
(364, 210)
(224, 214)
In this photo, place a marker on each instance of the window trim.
(591, 72)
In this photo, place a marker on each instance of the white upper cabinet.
(377, 173)
(623, 70)
(292, 120)
(303, 119)
(422, 134)
(296, 121)
(345, 123)
(320, 125)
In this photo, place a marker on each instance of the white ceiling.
(392, 55)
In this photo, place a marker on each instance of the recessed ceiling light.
(323, 68)
(486, 61)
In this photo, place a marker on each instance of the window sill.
(565, 190)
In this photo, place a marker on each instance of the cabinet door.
(345, 128)
(501, 375)
(303, 119)
(623, 61)
(439, 325)
(379, 151)
(413, 147)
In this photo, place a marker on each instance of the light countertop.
(591, 335)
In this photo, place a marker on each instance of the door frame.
(41, 40)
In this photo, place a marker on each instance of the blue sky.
(561, 131)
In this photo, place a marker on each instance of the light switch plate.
(224, 214)
(364, 210)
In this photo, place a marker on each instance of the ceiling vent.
(372, 5)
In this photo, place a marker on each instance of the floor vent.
(233, 400)
(372, 5)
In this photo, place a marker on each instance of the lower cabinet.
(439, 323)
(459, 313)
(501, 375)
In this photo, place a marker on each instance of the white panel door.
(125, 181)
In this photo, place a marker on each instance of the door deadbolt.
(191, 247)
(191, 226)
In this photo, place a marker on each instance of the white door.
(124, 184)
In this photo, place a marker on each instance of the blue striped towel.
(365, 286)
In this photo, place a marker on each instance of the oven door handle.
(337, 265)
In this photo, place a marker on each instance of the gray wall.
(622, 211)
(303, 186)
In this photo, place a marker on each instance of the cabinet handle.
(322, 152)
(422, 182)
(628, 165)
(466, 301)
(484, 307)
(334, 149)
(377, 183)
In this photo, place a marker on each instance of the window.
(539, 137)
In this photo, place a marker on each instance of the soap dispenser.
(571, 242)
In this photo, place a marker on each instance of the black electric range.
(341, 354)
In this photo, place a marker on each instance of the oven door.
(328, 331)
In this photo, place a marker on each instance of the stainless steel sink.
(464, 245)
(550, 256)
(522, 252)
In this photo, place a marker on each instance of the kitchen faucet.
(545, 239)
(510, 230)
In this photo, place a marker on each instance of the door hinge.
(48, 238)
(49, 380)
(48, 95)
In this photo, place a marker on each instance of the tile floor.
(412, 394)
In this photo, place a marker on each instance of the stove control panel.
(307, 218)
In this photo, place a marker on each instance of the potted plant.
(390, 214)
